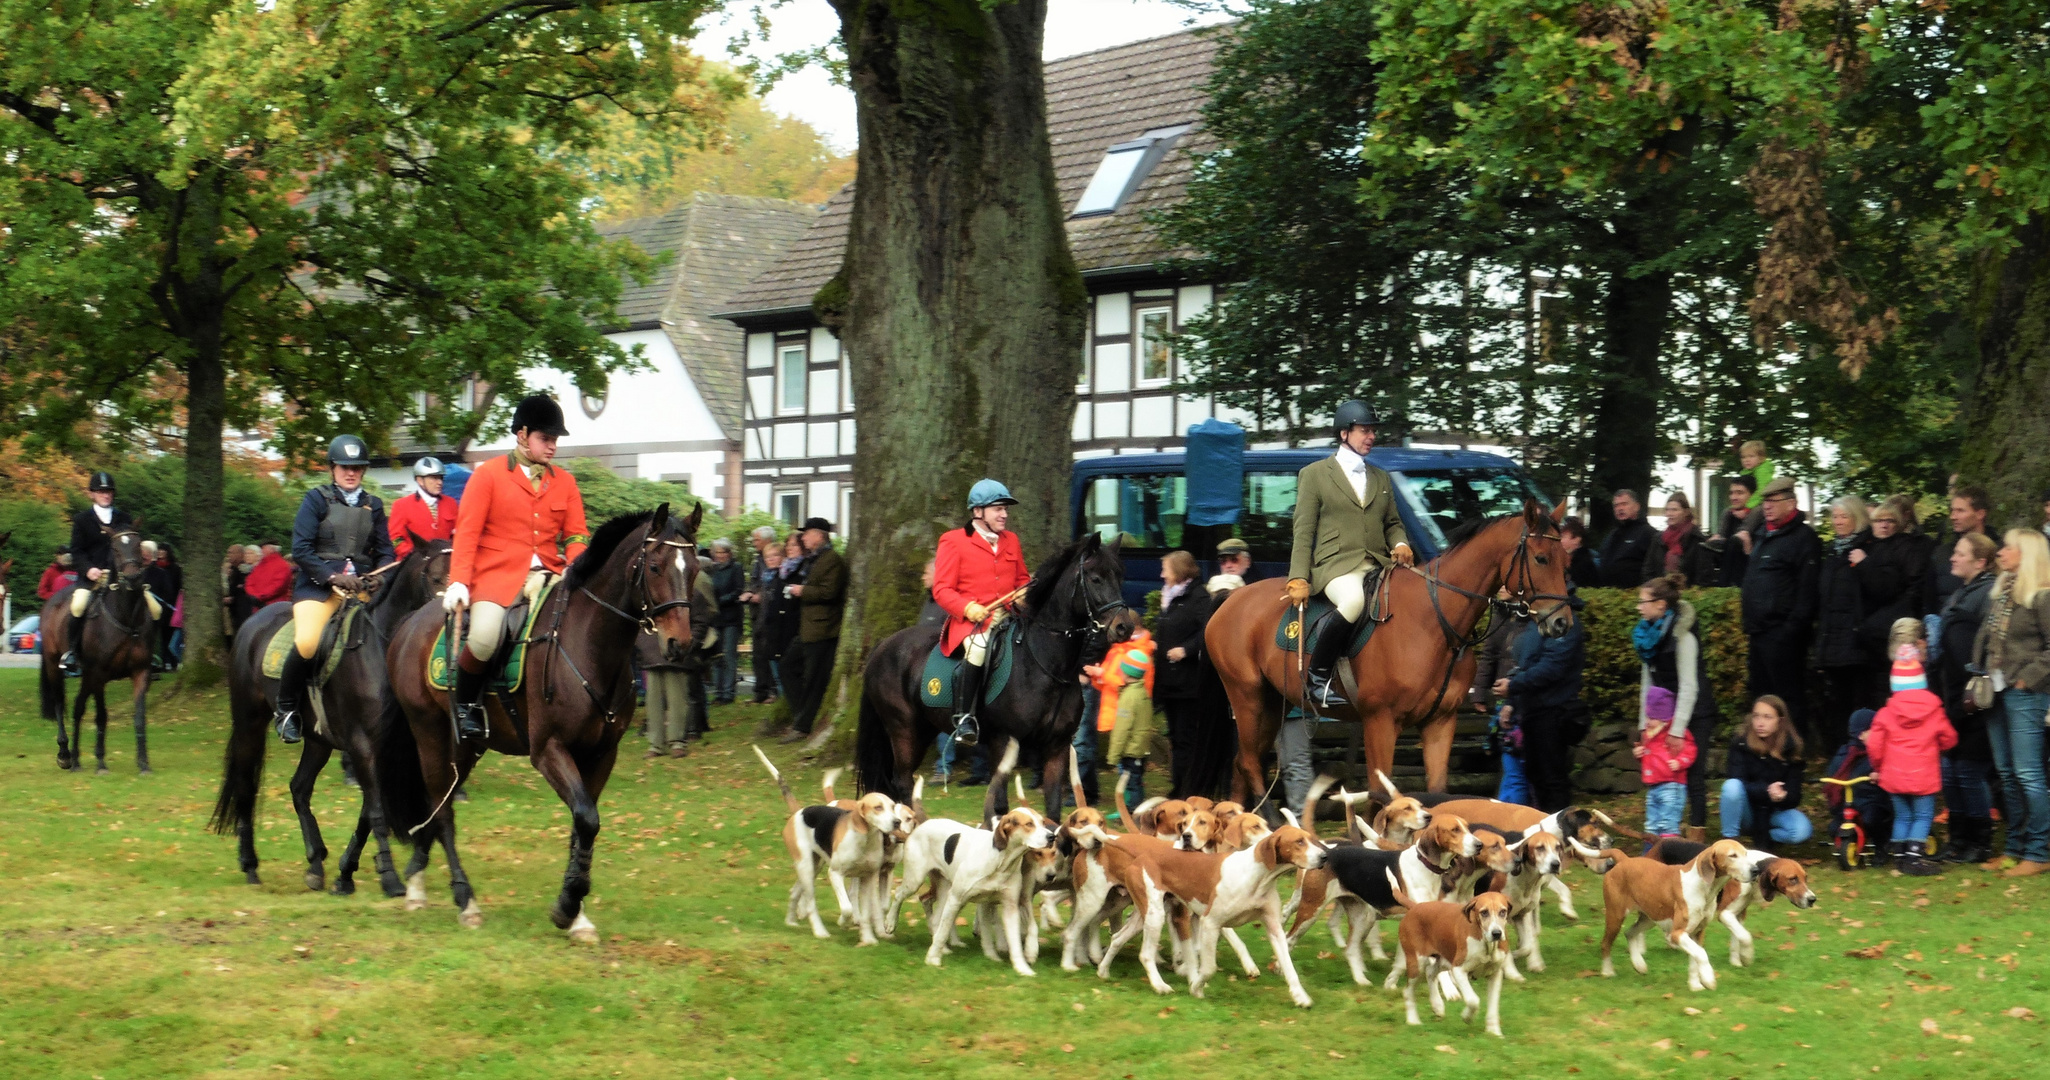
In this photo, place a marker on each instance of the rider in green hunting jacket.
(1346, 527)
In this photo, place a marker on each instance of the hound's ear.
(1768, 885)
(1471, 906)
(1001, 835)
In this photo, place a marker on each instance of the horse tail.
(241, 769)
(400, 785)
(52, 679)
(875, 759)
(789, 799)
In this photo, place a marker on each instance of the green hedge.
(1612, 668)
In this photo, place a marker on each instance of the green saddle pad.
(936, 683)
(1288, 636)
(336, 630)
(512, 662)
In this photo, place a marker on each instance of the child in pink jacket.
(1666, 752)
(1906, 745)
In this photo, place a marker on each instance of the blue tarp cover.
(1216, 465)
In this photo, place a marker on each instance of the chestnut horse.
(1415, 669)
(575, 701)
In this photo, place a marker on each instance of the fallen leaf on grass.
(1663, 1044)
(1067, 1048)
(1691, 1011)
(1870, 952)
(1445, 1048)
(1334, 1053)
(1929, 1026)
(1738, 1027)
(1701, 1053)
(2021, 1012)
(1913, 955)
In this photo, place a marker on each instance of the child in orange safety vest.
(1124, 682)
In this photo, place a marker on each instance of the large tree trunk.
(958, 300)
(2007, 410)
(1626, 437)
(206, 402)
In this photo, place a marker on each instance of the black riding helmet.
(101, 481)
(539, 412)
(1353, 413)
(347, 450)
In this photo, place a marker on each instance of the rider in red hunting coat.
(426, 514)
(977, 565)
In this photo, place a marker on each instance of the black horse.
(1075, 595)
(357, 702)
(120, 637)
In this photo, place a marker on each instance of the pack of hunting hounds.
(1462, 877)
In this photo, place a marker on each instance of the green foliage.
(254, 507)
(34, 532)
(1613, 673)
(608, 495)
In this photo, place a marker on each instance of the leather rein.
(1522, 576)
(637, 586)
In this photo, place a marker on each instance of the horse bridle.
(648, 613)
(1521, 595)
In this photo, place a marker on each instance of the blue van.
(1141, 497)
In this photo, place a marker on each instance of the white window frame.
(785, 493)
(1139, 313)
(1088, 347)
(784, 350)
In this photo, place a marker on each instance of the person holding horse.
(976, 567)
(1346, 529)
(522, 519)
(338, 539)
(92, 555)
(426, 514)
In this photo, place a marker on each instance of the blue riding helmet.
(987, 492)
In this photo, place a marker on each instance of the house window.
(790, 378)
(846, 520)
(790, 506)
(1088, 339)
(1124, 167)
(1156, 351)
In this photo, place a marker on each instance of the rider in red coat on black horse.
(977, 566)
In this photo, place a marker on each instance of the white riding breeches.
(487, 620)
(1348, 594)
(977, 644)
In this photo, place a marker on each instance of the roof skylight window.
(1124, 167)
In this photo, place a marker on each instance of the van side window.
(1147, 511)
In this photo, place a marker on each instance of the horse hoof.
(102, 770)
(345, 887)
(393, 888)
(473, 917)
(144, 770)
(583, 931)
(250, 877)
(416, 892)
(562, 919)
(316, 881)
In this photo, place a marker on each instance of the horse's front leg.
(1053, 778)
(1377, 742)
(99, 726)
(141, 684)
(313, 757)
(559, 768)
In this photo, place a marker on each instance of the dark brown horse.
(120, 638)
(1076, 594)
(1415, 669)
(356, 702)
(575, 700)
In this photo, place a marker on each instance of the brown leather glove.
(1297, 591)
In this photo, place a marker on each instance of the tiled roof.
(1093, 101)
(726, 241)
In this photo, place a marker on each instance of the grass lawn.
(131, 948)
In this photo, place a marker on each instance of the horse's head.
(431, 559)
(666, 572)
(1534, 572)
(128, 557)
(1094, 589)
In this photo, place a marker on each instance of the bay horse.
(120, 638)
(1076, 594)
(575, 701)
(355, 700)
(1415, 670)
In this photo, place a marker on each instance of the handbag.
(1979, 692)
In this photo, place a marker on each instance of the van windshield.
(1150, 512)
(1442, 498)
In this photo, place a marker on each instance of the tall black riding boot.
(1319, 688)
(967, 688)
(75, 632)
(469, 693)
(292, 694)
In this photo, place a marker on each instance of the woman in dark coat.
(1668, 644)
(1968, 765)
(1178, 683)
(1763, 793)
(1848, 680)
(1681, 548)
(1890, 573)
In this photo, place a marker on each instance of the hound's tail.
(998, 781)
(1387, 785)
(1401, 895)
(826, 782)
(1624, 829)
(1075, 777)
(789, 799)
(1317, 789)
(918, 814)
